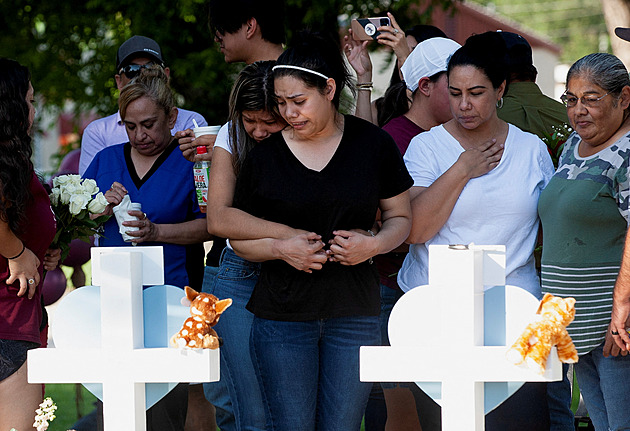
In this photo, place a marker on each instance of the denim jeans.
(217, 393)
(309, 371)
(559, 403)
(236, 279)
(605, 386)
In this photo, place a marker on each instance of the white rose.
(54, 197)
(89, 186)
(74, 179)
(62, 180)
(68, 190)
(78, 202)
(98, 204)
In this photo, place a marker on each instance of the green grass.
(68, 410)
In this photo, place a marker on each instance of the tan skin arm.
(228, 222)
(188, 232)
(22, 268)
(359, 58)
(620, 318)
(353, 247)
(348, 247)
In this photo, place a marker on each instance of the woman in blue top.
(151, 170)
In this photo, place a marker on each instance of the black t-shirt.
(274, 185)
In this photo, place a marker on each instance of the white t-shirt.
(498, 208)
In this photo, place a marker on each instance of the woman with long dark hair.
(27, 227)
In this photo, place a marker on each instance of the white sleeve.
(223, 138)
(420, 161)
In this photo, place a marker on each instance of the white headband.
(303, 69)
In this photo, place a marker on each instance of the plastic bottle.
(201, 172)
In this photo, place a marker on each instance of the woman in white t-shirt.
(476, 178)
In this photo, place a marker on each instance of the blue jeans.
(559, 403)
(217, 393)
(389, 297)
(236, 279)
(309, 371)
(605, 386)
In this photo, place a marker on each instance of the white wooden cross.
(437, 334)
(122, 363)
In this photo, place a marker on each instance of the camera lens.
(384, 21)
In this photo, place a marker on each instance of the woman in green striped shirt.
(584, 213)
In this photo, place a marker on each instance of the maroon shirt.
(20, 317)
(403, 130)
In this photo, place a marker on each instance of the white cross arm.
(158, 365)
(481, 364)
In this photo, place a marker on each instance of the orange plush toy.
(197, 332)
(534, 345)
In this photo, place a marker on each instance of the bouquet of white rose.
(73, 202)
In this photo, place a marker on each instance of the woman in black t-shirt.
(327, 175)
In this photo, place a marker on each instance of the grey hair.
(602, 69)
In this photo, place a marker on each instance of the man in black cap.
(524, 105)
(134, 54)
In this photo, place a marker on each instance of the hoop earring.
(500, 103)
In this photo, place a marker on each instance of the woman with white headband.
(327, 175)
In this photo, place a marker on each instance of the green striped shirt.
(584, 212)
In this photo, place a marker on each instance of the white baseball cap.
(428, 58)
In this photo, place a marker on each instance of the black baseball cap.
(138, 46)
(518, 49)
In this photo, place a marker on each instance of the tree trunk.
(617, 14)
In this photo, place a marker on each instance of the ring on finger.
(395, 31)
(614, 332)
(31, 281)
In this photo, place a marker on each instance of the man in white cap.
(134, 54)
(424, 73)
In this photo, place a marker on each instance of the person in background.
(246, 31)
(584, 213)
(424, 73)
(477, 179)
(152, 171)
(253, 118)
(397, 98)
(133, 55)
(27, 227)
(318, 314)
(524, 105)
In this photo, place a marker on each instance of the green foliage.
(70, 46)
(577, 26)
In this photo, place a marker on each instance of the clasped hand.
(306, 251)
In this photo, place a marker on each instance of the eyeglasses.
(588, 101)
(133, 70)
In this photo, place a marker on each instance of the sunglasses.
(133, 70)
